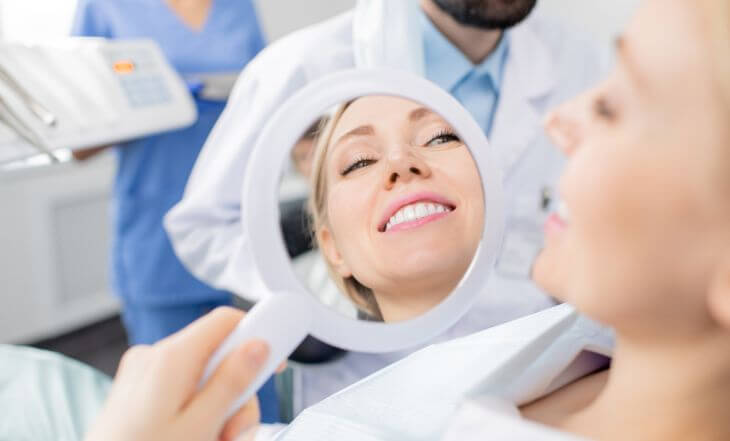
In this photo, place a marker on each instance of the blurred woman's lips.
(554, 224)
(558, 222)
(415, 210)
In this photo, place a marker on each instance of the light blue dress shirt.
(475, 86)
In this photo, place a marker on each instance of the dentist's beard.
(487, 14)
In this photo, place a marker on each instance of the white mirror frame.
(260, 208)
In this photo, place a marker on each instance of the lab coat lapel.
(528, 77)
(387, 33)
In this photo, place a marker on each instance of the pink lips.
(555, 224)
(423, 196)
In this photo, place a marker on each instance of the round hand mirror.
(372, 205)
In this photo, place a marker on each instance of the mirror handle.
(280, 319)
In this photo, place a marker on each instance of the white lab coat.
(546, 65)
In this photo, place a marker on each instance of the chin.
(547, 274)
(568, 284)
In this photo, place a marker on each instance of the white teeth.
(563, 211)
(409, 213)
(415, 211)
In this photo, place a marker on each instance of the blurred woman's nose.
(403, 165)
(565, 124)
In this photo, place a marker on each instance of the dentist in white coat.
(505, 70)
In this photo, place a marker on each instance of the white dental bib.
(437, 391)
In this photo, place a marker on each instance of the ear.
(719, 295)
(327, 245)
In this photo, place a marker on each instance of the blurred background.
(54, 227)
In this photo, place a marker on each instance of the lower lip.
(417, 223)
(555, 224)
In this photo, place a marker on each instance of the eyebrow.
(368, 130)
(419, 113)
(357, 131)
(626, 56)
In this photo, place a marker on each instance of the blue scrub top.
(152, 172)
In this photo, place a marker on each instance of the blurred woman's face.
(646, 188)
(404, 202)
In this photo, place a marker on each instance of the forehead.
(375, 111)
(663, 47)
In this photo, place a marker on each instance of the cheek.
(349, 219)
(603, 196)
(468, 180)
(343, 211)
(462, 177)
(623, 236)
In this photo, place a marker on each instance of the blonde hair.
(361, 295)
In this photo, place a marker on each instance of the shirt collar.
(447, 66)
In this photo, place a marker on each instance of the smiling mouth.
(563, 212)
(416, 214)
(559, 220)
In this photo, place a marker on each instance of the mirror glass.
(381, 208)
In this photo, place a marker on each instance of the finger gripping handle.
(282, 320)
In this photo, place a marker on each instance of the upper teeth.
(563, 211)
(415, 211)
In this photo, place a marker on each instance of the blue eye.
(443, 137)
(359, 162)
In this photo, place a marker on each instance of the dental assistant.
(505, 68)
(159, 296)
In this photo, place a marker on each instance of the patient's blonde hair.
(361, 295)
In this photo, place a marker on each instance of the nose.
(404, 165)
(566, 124)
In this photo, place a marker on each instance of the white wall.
(604, 19)
(32, 20)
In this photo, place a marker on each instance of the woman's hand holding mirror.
(154, 394)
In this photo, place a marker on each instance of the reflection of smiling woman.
(397, 205)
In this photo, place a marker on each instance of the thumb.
(227, 383)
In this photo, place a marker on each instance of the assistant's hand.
(84, 154)
(155, 397)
